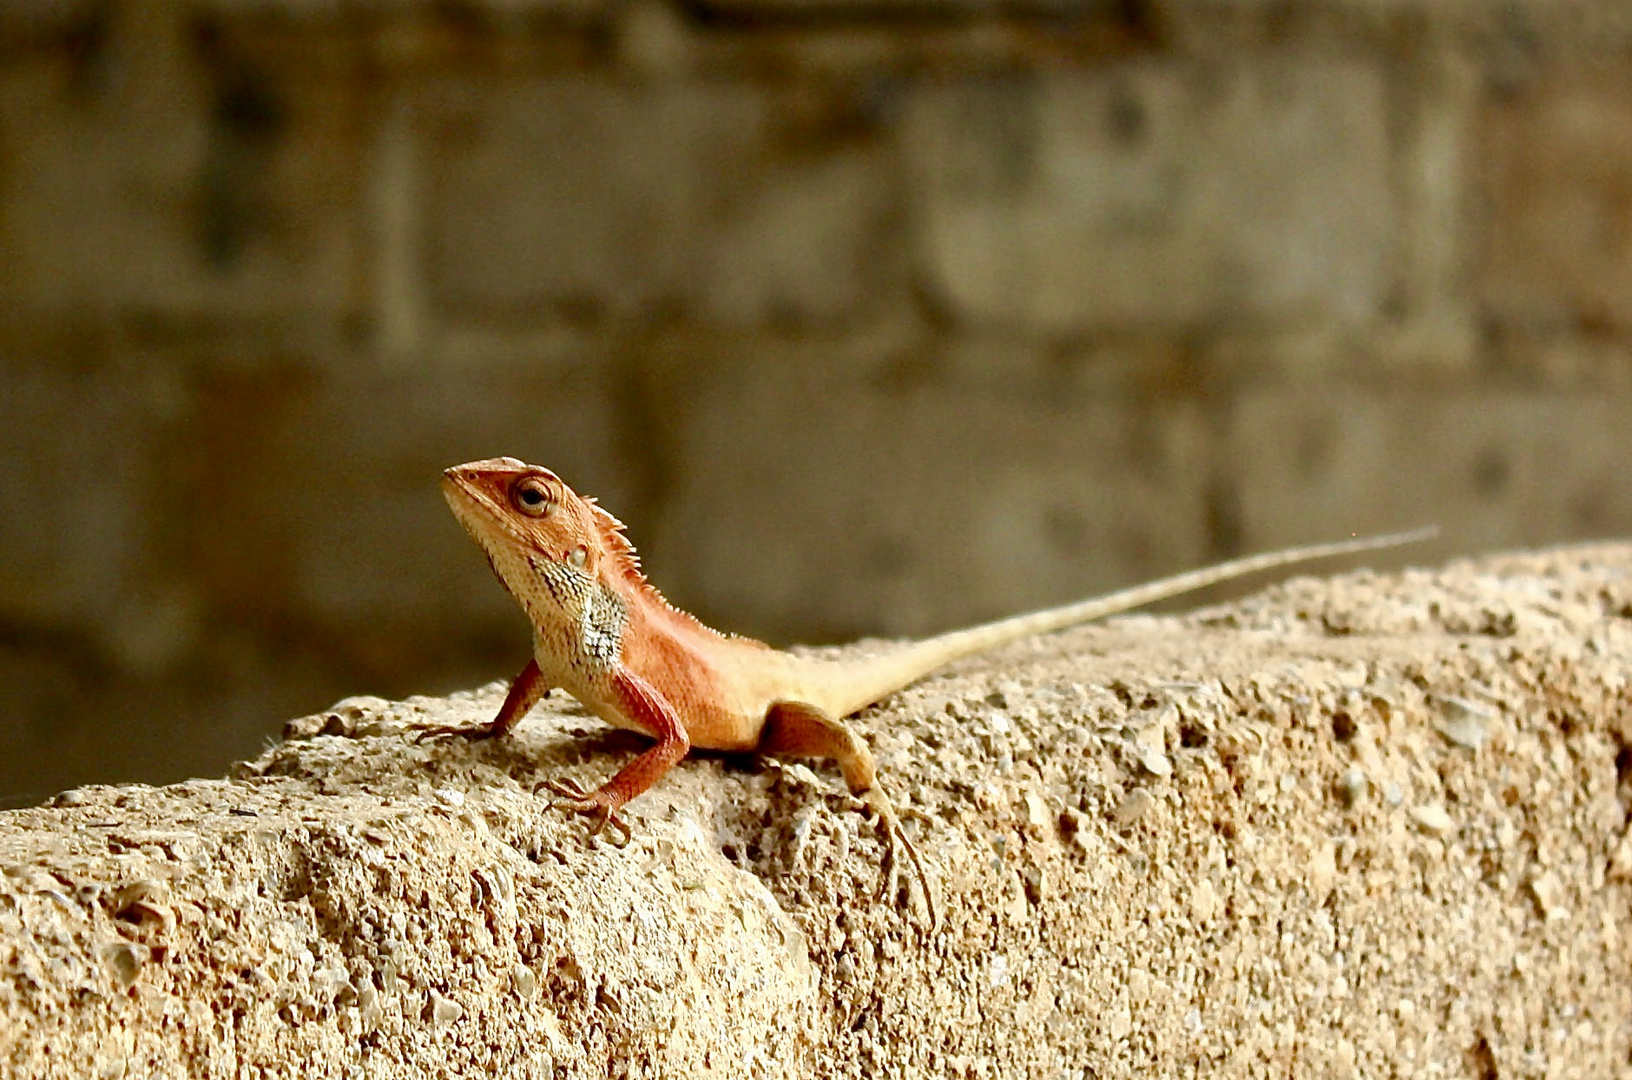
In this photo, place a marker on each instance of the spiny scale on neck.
(621, 558)
(622, 563)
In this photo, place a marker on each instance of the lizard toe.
(455, 731)
(895, 842)
(572, 793)
(574, 797)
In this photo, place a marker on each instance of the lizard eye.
(532, 496)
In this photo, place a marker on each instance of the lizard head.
(528, 522)
(555, 550)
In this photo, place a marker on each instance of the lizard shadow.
(778, 825)
(761, 815)
(745, 801)
(534, 758)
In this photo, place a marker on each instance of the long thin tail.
(862, 682)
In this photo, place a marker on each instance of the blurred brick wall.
(871, 316)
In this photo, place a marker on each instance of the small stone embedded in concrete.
(369, 1010)
(444, 1010)
(1432, 818)
(801, 772)
(1035, 880)
(526, 982)
(1139, 985)
(125, 960)
(332, 984)
(1346, 849)
(1321, 873)
(1549, 894)
(1154, 761)
(1620, 863)
(1464, 723)
(1120, 1023)
(1134, 805)
(1086, 842)
(1037, 812)
(1352, 786)
(1150, 742)
(141, 902)
(138, 891)
(1203, 901)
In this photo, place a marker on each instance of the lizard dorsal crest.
(621, 561)
(620, 555)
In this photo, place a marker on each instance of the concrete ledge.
(1363, 826)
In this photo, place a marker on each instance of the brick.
(803, 505)
(325, 507)
(1557, 163)
(815, 242)
(1558, 358)
(23, 22)
(1155, 192)
(1433, 323)
(499, 14)
(78, 532)
(1492, 468)
(145, 504)
(71, 722)
(163, 180)
(36, 687)
(577, 192)
(592, 196)
(247, 538)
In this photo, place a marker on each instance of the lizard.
(605, 634)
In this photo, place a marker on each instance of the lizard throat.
(589, 617)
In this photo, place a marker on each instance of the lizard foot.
(575, 798)
(474, 733)
(895, 842)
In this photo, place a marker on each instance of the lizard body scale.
(606, 636)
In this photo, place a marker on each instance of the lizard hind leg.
(799, 729)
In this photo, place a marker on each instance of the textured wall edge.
(1341, 826)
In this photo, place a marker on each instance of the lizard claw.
(569, 789)
(575, 798)
(895, 841)
(455, 731)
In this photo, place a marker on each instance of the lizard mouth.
(477, 510)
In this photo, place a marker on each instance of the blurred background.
(870, 316)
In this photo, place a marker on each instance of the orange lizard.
(606, 636)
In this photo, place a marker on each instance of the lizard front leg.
(528, 689)
(650, 710)
(799, 729)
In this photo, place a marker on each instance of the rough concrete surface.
(1369, 826)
